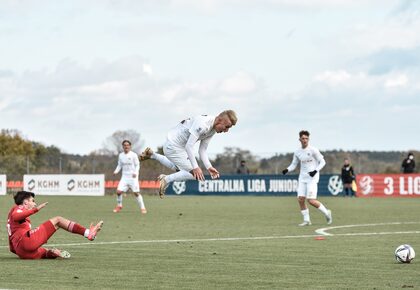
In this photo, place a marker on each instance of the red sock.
(76, 228)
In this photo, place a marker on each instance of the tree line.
(19, 156)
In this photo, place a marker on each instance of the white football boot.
(305, 223)
(329, 217)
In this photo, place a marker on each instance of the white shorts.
(308, 189)
(128, 183)
(178, 156)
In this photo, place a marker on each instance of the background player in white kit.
(128, 161)
(179, 145)
(311, 162)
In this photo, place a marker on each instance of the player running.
(179, 145)
(26, 243)
(128, 161)
(311, 162)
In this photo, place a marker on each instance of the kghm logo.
(335, 185)
(88, 184)
(47, 184)
(71, 184)
(179, 187)
(31, 184)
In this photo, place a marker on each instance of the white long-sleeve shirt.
(191, 130)
(129, 163)
(310, 159)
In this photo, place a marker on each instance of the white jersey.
(199, 126)
(129, 163)
(310, 159)
(188, 132)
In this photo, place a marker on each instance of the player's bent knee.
(313, 201)
(55, 220)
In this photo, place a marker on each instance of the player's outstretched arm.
(189, 149)
(213, 172)
(118, 168)
(292, 165)
(198, 173)
(41, 206)
(23, 214)
(136, 166)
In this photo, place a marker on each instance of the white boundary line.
(180, 240)
(323, 231)
(320, 232)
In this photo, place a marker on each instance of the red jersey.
(18, 224)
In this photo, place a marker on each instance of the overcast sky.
(73, 72)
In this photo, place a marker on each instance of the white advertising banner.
(65, 184)
(3, 185)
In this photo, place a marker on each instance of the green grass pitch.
(221, 243)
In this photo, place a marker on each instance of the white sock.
(164, 160)
(119, 199)
(305, 214)
(140, 201)
(323, 209)
(179, 176)
(86, 234)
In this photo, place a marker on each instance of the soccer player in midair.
(179, 145)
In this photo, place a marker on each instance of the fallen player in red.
(27, 243)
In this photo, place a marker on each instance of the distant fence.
(369, 185)
(278, 185)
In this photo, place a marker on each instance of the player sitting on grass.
(180, 141)
(26, 243)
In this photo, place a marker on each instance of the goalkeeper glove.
(312, 173)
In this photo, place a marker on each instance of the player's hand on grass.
(285, 171)
(213, 173)
(41, 206)
(312, 173)
(198, 173)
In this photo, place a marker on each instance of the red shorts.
(29, 246)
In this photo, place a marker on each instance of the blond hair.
(231, 116)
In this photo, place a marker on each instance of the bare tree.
(112, 144)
